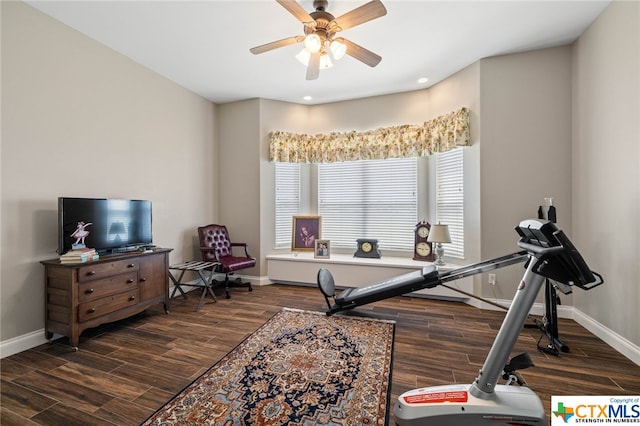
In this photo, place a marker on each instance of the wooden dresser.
(84, 295)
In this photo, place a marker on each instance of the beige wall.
(247, 177)
(239, 166)
(81, 120)
(606, 165)
(525, 149)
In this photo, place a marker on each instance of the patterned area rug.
(299, 368)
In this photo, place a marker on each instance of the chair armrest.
(244, 245)
(209, 250)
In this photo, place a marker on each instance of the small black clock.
(422, 249)
(368, 248)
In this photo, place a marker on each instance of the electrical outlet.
(492, 279)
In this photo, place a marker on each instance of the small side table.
(199, 267)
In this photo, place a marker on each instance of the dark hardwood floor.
(124, 371)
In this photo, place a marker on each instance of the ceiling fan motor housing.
(321, 28)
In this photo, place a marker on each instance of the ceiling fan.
(320, 28)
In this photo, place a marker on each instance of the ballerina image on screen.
(80, 234)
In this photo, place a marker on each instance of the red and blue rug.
(299, 368)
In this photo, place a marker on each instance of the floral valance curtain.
(438, 135)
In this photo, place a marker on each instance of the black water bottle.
(551, 214)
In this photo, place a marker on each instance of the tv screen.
(104, 224)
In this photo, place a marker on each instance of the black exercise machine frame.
(430, 278)
(561, 262)
(549, 323)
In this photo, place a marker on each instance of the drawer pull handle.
(129, 281)
(92, 310)
(89, 291)
(131, 265)
(132, 298)
(143, 279)
(91, 273)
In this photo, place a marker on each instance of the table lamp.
(439, 234)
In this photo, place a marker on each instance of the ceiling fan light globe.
(325, 62)
(312, 43)
(338, 49)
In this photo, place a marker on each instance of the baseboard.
(537, 308)
(22, 343)
(610, 337)
(261, 280)
(251, 278)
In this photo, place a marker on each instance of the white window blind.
(450, 199)
(369, 199)
(287, 201)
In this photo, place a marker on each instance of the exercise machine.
(550, 255)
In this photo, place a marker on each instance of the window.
(372, 198)
(287, 201)
(450, 198)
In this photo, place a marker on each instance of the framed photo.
(306, 230)
(323, 249)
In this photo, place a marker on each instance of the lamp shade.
(338, 49)
(304, 57)
(439, 234)
(116, 228)
(312, 43)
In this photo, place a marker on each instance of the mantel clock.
(367, 247)
(422, 249)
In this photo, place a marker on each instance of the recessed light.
(423, 80)
(307, 98)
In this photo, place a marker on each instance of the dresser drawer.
(105, 269)
(96, 289)
(106, 305)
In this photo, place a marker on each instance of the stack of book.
(79, 255)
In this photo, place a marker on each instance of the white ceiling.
(204, 45)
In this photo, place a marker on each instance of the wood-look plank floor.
(126, 370)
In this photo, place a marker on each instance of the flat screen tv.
(108, 225)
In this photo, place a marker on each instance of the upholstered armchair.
(216, 246)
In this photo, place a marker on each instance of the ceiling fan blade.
(367, 12)
(276, 44)
(313, 69)
(298, 11)
(360, 53)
